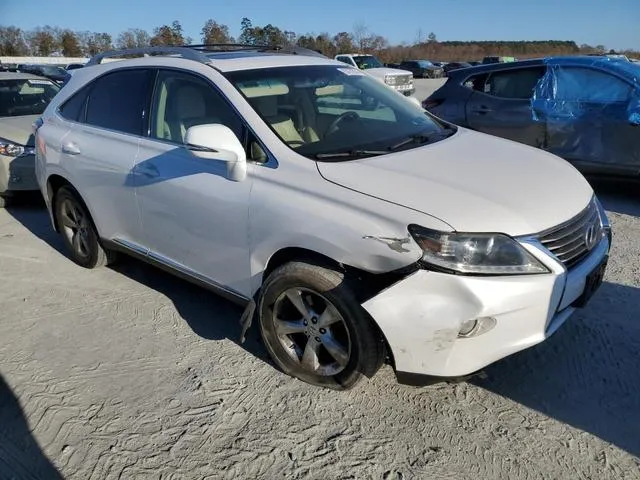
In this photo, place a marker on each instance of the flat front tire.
(315, 329)
(78, 230)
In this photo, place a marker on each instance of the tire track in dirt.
(134, 382)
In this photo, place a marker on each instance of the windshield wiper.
(419, 138)
(422, 138)
(350, 154)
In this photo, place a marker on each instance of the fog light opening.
(476, 326)
(468, 327)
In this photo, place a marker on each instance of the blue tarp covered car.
(585, 109)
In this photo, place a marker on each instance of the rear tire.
(315, 329)
(78, 230)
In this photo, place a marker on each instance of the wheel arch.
(54, 183)
(366, 284)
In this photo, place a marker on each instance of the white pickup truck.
(399, 80)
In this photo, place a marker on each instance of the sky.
(613, 23)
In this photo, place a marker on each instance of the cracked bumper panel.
(17, 173)
(421, 315)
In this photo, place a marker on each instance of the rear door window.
(477, 82)
(119, 101)
(514, 84)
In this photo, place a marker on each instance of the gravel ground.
(426, 86)
(130, 373)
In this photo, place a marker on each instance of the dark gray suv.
(584, 109)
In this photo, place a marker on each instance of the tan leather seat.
(189, 110)
(281, 123)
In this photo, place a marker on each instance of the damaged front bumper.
(424, 317)
(17, 173)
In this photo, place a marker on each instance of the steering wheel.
(346, 116)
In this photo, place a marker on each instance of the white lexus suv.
(354, 226)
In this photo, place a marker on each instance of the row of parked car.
(57, 73)
(355, 226)
(429, 69)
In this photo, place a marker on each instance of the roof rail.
(223, 47)
(197, 52)
(215, 47)
(188, 53)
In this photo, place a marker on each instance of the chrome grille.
(403, 79)
(571, 241)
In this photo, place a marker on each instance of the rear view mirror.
(218, 142)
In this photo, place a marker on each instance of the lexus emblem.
(591, 236)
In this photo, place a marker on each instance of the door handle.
(148, 170)
(482, 110)
(70, 148)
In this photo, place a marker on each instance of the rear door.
(588, 121)
(501, 106)
(99, 151)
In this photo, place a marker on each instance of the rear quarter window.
(74, 108)
(476, 82)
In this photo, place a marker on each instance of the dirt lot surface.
(126, 372)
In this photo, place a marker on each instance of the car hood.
(18, 129)
(381, 72)
(473, 182)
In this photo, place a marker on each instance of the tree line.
(50, 41)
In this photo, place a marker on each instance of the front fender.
(346, 226)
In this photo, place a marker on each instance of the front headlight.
(475, 253)
(12, 149)
(390, 79)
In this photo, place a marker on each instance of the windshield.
(425, 63)
(320, 111)
(25, 96)
(367, 61)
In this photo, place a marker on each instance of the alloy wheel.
(312, 331)
(76, 227)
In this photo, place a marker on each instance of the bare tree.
(133, 38)
(12, 42)
(344, 43)
(360, 33)
(69, 44)
(43, 41)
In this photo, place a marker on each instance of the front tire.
(78, 230)
(315, 329)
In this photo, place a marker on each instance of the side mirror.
(218, 142)
(634, 119)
